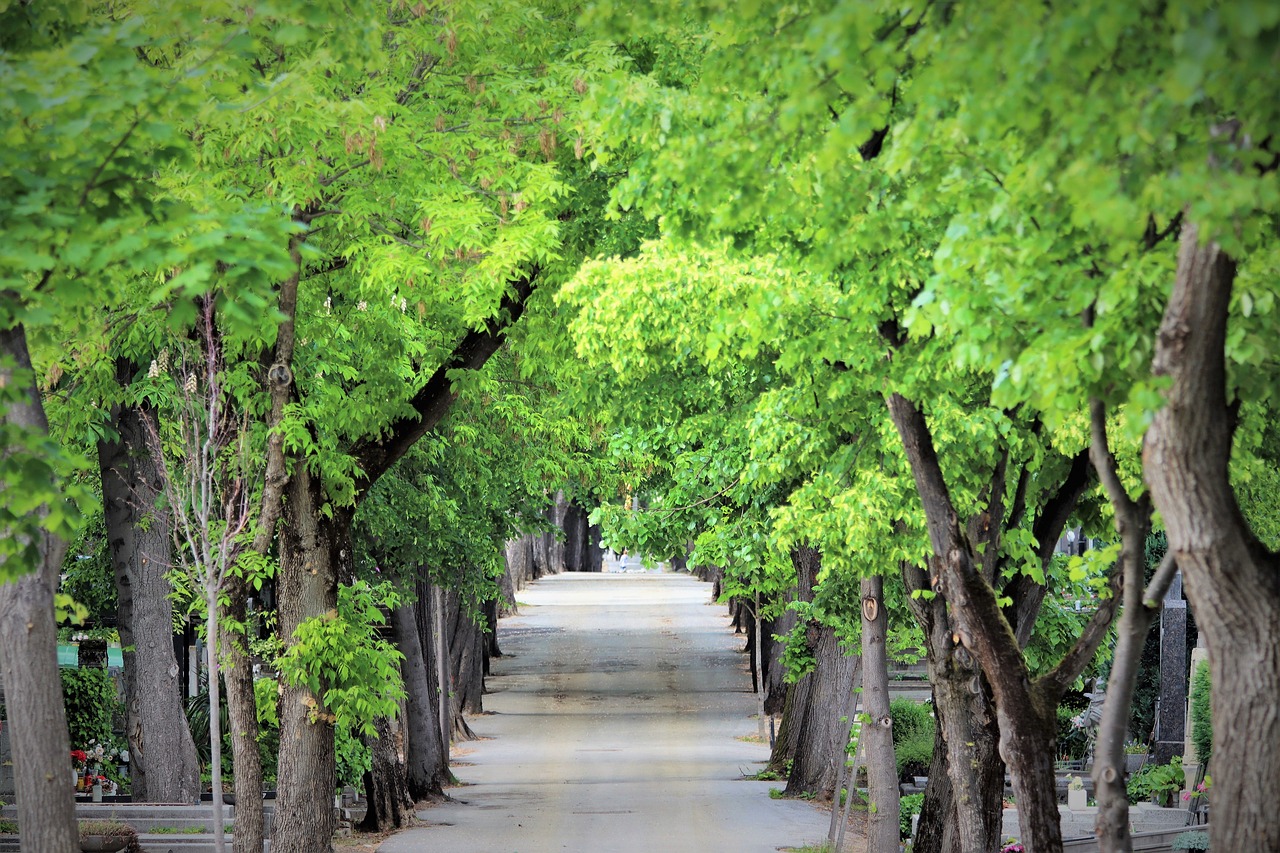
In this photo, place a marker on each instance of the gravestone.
(1171, 710)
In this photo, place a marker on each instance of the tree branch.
(433, 399)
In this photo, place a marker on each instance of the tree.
(91, 126)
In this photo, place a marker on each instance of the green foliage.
(87, 575)
(90, 698)
(353, 756)
(910, 719)
(341, 658)
(1159, 781)
(1201, 713)
(913, 733)
(910, 805)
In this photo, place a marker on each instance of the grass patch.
(180, 830)
(824, 847)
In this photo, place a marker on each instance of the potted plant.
(106, 836)
(1135, 756)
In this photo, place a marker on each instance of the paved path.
(617, 713)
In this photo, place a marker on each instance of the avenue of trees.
(869, 302)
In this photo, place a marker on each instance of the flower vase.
(97, 792)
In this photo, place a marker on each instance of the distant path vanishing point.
(617, 711)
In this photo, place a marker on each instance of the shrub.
(1201, 720)
(909, 719)
(90, 698)
(1161, 782)
(911, 804)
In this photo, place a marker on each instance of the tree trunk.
(307, 588)
(215, 718)
(439, 651)
(518, 556)
(1231, 579)
(29, 645)
(784, 743)
(936, 829)
(775, 684)
(242, 713)
(581, 540)
(1026, 710)
(164, 766)
(386, 785)
(428, 768)
(465, 646)
(822, 735)
(1133, 523)
(877, 735)
(490, 628)
(962, 810)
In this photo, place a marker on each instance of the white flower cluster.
(100, 753)
(159, 364)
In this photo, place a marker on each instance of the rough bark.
(936, 828)
(1231, 579)
(490, 629)
(518, 560)
(466, 660)
(823, 736)
(961, 811)
(877, 735)
(427, 768)
(386, 785)
(242, 715)
(1025, 710)
(820, 736)
(582, 551)
(29, 650)
(807, 561)
(164, 766)
(775, 684)
(307, 587)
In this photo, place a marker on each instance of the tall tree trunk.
(29, 643)
(936, 831)
(1133, 523)
(823, 736)
(428, 768)
(1026, 710)
(1231, 579)
(440, 653)
(164, 765)
(466, 648)
(775, 685)
(386, 784)
(242, 713)
(817, 735)
(877, 735)
(307, 587)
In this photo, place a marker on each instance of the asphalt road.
(615, 720)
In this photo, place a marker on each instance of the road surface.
(615, 726)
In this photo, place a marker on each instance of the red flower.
(79, 756)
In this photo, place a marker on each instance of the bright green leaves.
(44, 493)
(341, 658)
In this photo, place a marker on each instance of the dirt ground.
(616, 720)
